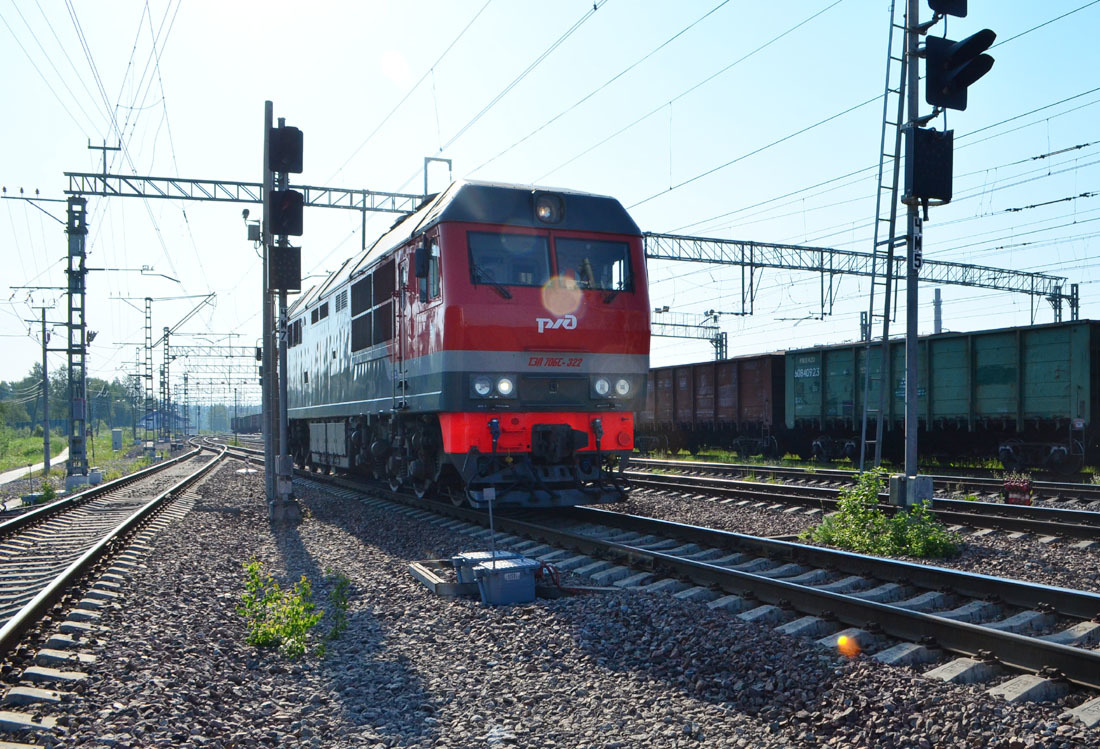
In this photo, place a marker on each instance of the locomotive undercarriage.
(408, 451)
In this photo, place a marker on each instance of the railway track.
(966, 627)
(962, 627)
(45, 552)
(1070, 495)
(1042, 521)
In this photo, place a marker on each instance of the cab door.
(424, 335)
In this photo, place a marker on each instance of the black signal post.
(283, 210)
(951, 68)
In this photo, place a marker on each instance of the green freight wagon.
(1024, 395)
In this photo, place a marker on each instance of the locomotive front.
(546, 325)
(492, 345)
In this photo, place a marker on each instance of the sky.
(735, 119)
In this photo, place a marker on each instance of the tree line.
(118, 403)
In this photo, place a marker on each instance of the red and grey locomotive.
(494, 344)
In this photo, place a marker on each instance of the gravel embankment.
(1057, 564)
(414, 670)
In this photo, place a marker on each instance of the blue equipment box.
(465, 562)
(507, 580)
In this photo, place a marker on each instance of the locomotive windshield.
(594, 264)
(524, 260)
(508, 259)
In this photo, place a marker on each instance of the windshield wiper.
(487, 277)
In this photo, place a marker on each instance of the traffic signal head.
(284, 149)
(952, 66)
(949, 7)
(286, 212)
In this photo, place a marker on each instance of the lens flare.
(847, 646)
(561, 296)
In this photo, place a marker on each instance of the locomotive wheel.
(395, 483)
(456, 494)
(422, 488)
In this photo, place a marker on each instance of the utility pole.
(77, 228)
(282, 272)
(45, 397)
(267, 364)
(913, 251)
(950, 68)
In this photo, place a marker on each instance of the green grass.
(860, 525)
(21, 451)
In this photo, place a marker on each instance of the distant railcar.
(1024, 395)
(735, 404)
(492, 345)
(250, 424)
(1027, 396)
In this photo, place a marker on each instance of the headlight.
(482, 386)
(622, 387)
(603, 387)
(505, 386)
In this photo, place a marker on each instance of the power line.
(42, 75)
(408, 93)
(605, 84)
(515, 82)
(684, 93)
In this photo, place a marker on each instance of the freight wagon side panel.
(803, 388)
(949, 359)
(683, 402)
(839, 366)
(703, 374)
(897, 382)
(1051, 369)
(649, 410)
(728, 403)
(778, 365)
(756, 390)
(996, 375)
(663, 395)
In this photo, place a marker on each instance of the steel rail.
(41, 513)
(1077, 665)
(12, 632)
(942, 482)
(1051, 521)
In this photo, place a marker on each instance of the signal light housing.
(929, 161)
(953, 66)
(286, 212)
(284, 150)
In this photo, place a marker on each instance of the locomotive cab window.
(433, 270)
(595, 264)
(508, 259)
(429, 286)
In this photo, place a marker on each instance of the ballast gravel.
(415, 670)
(1057, 563)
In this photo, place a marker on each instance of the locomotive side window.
(595, 264)
(508, 259)
(361, 332)
(360, 297)
(433, 270)
(384, 282)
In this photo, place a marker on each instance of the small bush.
(277, 618)
(339, 598)
(860, 525)
(48, 493)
